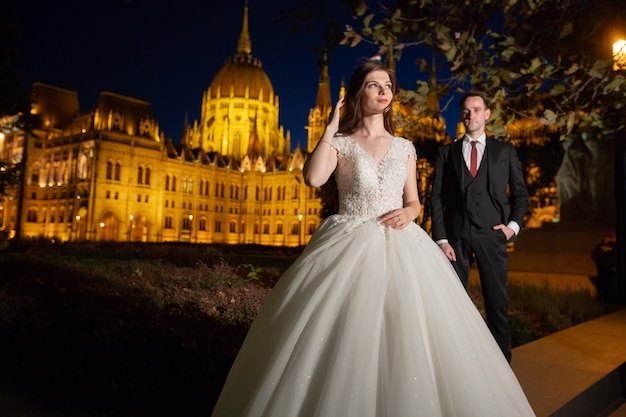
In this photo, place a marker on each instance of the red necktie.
(474, 159)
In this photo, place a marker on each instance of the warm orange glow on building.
(112, 175)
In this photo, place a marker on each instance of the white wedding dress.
(370, 321)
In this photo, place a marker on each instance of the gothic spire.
(244, 46)
(323, 91)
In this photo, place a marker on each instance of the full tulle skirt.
(370, 322)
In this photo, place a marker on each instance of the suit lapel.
(492, 153)
(457, 160)
(492, 150)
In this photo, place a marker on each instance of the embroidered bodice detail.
(368, 190)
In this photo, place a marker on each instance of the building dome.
(243, 76)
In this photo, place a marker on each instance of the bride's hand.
(396, 219)
(334, 121)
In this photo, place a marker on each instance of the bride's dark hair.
(351, 120)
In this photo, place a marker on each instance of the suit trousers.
(488, 248)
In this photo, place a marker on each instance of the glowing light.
(101, 224)
(619, 55)
(77, 218)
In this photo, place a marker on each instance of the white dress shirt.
(480, 149)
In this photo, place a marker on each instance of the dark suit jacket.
(506, 187)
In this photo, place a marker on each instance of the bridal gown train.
(370, 321)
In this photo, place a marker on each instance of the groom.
(479, 200)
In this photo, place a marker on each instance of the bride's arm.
(411, 197)
(323, 160)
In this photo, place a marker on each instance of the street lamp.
(191, 228)
(300, 229)
(619, 55)
(131, 225)
(619, 64)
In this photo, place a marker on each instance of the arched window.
(31, 217)
(118, 171)
(109, 174)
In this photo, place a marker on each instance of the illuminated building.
(112, 175)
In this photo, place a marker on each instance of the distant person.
(4, 241)
(371, 319)
(604, 256)
(479, 199)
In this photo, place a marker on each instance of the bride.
(371, 320)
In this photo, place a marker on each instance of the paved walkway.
(577, 372)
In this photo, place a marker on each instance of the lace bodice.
(366, 189)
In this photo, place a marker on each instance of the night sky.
(167, 52)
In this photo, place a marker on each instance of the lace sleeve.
(339, 142)
(409, 148)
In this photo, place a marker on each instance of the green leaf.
(567, 29)
(368, 19)
(614, 86)
(360, 9)
(534, 64)
(549, 117)
(571, 70)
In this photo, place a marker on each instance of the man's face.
(474, 115)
